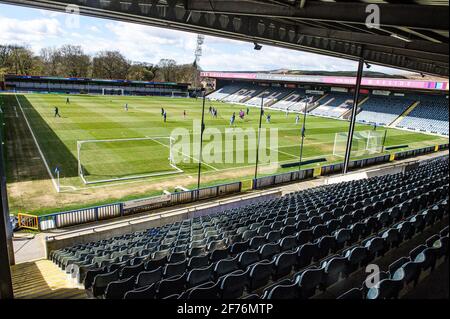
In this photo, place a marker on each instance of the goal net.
(101, 161)
(179, 94)
(106, 91)
(363, 143)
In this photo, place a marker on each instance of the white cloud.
(269, 58)
(143, 43)
(51, 14)
(33, 33)
(150, 44)
(94, 29)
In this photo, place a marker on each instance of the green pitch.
(105, 118)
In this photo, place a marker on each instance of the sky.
(39, 28)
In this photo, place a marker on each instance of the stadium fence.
(277, 179)
(98, 213)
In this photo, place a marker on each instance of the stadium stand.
(291, 247)
(383, 110)
(270, 95)
(334, 105)
(243, 94)
(430, 115)
(292, 101)
(18, 83)
(223, 92)
(376, 109)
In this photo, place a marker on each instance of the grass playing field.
(104, 118)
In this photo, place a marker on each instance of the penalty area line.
(192, 158)
(55, 185)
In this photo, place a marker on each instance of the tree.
(67, 61)
(71, 61)
(51, 60)
(188, 73)
(142, 72)
(167, 70)
(76, 62)
(19, 60)
(110, 65)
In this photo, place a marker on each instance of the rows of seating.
(430, 115)
(223, 92)
(243, 94)
(334, 104)
(237, 252)
(310, 99)
(92, 88)
(405, 273)
(269, 96)
(306, 283)
(383, 110)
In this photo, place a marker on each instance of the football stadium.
(127, 180)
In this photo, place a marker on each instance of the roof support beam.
(391, 14)
(172, 14)
(440, 50)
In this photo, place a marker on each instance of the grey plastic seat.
(101, 281)
(146, 278)
(200, 276)
(118, 289)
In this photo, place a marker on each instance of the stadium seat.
(334, 268)
(171, 286)
(248, 258)
(226, 266)
(147, 292)
(101, 281)
(205, 292)
(200, 276)
(309, 280)
(284, 263)
(118, 289)
(386, 289)
(286, 291)
(260, 274)
(232, 286)
(146, 278)
(131, 271)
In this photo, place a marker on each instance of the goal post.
(112, 91)
(363, 143)
(110, 160)
(375, 141)
(179, 94)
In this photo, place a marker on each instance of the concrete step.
(43, 279)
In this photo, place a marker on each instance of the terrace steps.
(404, 114)
(346, 115)
(42, 279)
(320, 99)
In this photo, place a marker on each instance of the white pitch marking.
(37, 145)
(214, 168)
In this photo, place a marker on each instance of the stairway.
(316, 104)
(42, 279)
(404, 114)
(346, 115)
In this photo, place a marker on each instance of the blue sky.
(39, 28)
